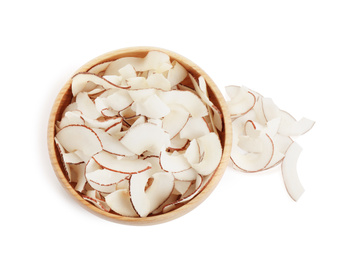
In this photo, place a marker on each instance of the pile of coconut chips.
(262, 136)
(135, 141)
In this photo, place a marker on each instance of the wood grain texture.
(64, 98)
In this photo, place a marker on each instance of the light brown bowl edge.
(226, 138)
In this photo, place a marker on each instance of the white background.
(286, 50)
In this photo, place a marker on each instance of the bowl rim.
(164, 217)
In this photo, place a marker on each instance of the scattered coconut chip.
(289, 172)
(262, 136)
(134, 141)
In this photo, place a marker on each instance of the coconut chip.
(262, 136)
(134, 142)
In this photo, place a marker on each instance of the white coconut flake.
(262, 136)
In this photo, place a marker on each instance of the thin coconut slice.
(241, 100)
(111, 144)
(252, 161)
(297, 128)
(140, 94)
(127, 72)
(158, 81)
(124, 166)
(178, 144)
(176, 74)
(119, 100)
(289, 172)
(77, 175)
(212, 150)
(92, 197)
(194, 128)
(187, 175)
(104, 180)
(152, 107)
(173, 162)
(144, 137)
(71, 118)
(119, 202)
(191, 102)
(191, 193)
(201, 90)
(146, 201)
(175, 120)
(87, 106)
(99, 68)
(80, 80)
(181, 187)
(154, 60)
(79, 137)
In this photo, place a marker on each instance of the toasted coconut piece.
(176, 74)
(194, 128)
(144, 137)
(146, 201)
(175, 120)
(212, 151)
(119, 202)
(125, 166)
(79, 138)
(174, 162)
(80, 80)
(187, 99)
(111, 144)
(289, 172)
(87, 106)
(152, 107)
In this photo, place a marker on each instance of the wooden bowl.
(64, 98)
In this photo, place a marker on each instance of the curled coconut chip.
(133, 141)
(262, 136)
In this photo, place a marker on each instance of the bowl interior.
(65, 96)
